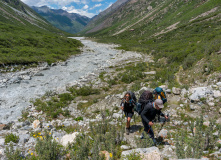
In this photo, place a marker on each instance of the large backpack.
(160, 92)
(145, 98)
(133, 97)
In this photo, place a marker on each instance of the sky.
(87, 8)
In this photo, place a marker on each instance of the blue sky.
(87, 8)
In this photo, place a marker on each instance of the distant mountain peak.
(69, 22)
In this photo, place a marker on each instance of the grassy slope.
(22, 42)
(183, 46)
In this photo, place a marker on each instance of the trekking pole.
(164, 122)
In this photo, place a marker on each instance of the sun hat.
(159, 103)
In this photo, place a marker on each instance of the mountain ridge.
(69, 22)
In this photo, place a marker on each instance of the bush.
(12, 154)
(145, 142)
(11, 138)
(83, 91)
(47, 148)
(133, 156)
(202, 139)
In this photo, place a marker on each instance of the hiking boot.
(127, 131)
(142, 136)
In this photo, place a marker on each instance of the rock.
(15, 80)
(220, 111)
(151, 72)
(24, 138)
(4, 127)
(176, 91)
(169, 152)
(198, 93)
(147, 153)
(168, 91)
(218, 84)
(117, 115)
(106, 154)
(39, 74)
(206, 123)
(2, 141)
(163, 133)
(26, 77)
(36, 124)
(125, 147)
(216, 93)
(192, 107)
(69, 138)
(26, 123)
(211, 104)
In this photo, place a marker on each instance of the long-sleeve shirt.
(149, 113)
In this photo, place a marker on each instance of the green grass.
(184, 46)
(23, 46)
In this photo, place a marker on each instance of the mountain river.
(16, 97)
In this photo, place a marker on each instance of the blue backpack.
(160, 92)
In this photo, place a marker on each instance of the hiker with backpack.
(150, 110)
(127, 105)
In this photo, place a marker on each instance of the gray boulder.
(147, 153)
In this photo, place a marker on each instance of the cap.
(159, 103)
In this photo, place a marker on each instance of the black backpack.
(145, 98)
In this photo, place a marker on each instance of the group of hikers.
(149, 105)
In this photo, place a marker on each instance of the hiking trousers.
(148, 129)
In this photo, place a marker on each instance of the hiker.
(148, 114)
(127, 106)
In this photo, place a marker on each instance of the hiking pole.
(164, 122)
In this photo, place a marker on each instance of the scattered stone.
(168, 91)
(206, 123)
(151, 72)
(125, 147)
(176, 91)
(117, 115)
(216, 93)
(163, 133)
(39, 74)
(220, 111)
(69, 138)
(36, 124)
(106, 154)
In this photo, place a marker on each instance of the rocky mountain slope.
(17, 13)
(97, 23)
(27, 38)
(69, 22)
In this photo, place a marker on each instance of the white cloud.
(97, 0)
(78, 11)
(85, 7)
(95, 6)
(60, 3)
